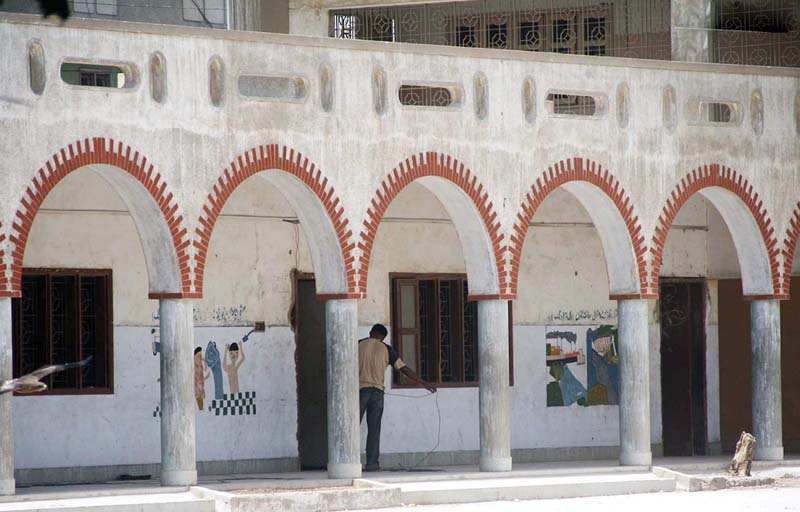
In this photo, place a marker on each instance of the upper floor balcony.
(353, 118)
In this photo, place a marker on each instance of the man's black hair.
(198, 349)
(380, 330)
(233, 346)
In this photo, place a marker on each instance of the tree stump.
(743, 457)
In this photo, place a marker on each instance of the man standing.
(373, 357)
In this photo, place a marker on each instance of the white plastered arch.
(476, 244)
(751, 250)
(323, 243)
(618, 250)
(158, 245)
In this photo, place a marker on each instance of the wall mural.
(210, 366)
(583, 365)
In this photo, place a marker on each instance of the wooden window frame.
(109, 359)
(396, 330)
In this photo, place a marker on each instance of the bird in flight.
(31, 383)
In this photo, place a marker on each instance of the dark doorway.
(312, 412)
(683, 366)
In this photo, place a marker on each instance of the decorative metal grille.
(424, 326)
(470, 354)
(445, 341)
(587, 27)
(756, 32)
(425, 96)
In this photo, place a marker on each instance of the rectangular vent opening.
(108, 76)
(569, 104)
(279, 88)
(718, 112)
(437, 96)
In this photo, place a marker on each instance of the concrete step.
(153, 502)
(468, 491)
(353, 497)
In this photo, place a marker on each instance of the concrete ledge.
(429, 493)
(96, 474)
(173, 502)
(310, 500)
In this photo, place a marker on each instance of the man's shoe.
(372, 467)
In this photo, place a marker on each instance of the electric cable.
(438, 429)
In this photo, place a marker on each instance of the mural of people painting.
(603, 371)
(200, 376)
(578, 378)
(215, 365)
(234, 359)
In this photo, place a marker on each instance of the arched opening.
(272, 241)
(576, 249)
(97, 232)
(713, 247)
(431, 251)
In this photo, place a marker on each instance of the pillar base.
(495, 464)
(349, 470)
(7, 487)
(636, 459)
(768, 452)
(178, 478)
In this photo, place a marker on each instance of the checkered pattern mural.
(237, 404)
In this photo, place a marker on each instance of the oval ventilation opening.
(272, 87)
(578, 105)
(436, 96)
(101, 75)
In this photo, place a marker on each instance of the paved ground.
(783, 496)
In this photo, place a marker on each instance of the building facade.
(560, 242)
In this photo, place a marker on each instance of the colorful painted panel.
(583, 366)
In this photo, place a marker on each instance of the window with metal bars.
(65, 316)
(435, 328)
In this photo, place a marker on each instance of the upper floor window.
(65, 316)
(210, 11)
(435, 327)
(94, 75)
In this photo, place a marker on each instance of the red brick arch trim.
(569, 170)
(281, 158)
(439, 165)
(97, 150)
(5, 291)
(715, 175)
(789, 248)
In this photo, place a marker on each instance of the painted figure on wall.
(234, 359)
(603, 371)
(215, 365)
(156, 343)
(566, 390)
(200, 376)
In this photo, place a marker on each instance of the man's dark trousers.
(371, 402)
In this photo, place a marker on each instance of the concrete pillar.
(634, 383)
(6, 418)
(177, 393)
(495, 421)
(765, 342)
(690, 30)
(344, 433)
